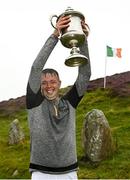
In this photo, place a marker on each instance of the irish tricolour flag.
(114, 52)
(111, 52)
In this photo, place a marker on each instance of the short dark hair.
(50, 71)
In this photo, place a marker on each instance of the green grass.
(117, 112)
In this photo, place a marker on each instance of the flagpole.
(105, 70)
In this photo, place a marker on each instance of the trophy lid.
(70, 11)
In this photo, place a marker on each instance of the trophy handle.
(51, 20)
(87, 31)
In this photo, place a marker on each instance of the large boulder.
(96, 136)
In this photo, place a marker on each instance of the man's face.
(50, 85)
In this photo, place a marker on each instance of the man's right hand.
(63, 22)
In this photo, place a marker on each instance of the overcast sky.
(25, 26)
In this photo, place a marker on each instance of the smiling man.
(51, 117)
(50, 83)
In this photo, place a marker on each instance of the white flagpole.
(105, 70)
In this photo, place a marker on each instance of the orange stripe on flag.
(118, 52)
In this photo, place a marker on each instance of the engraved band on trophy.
(73, 37)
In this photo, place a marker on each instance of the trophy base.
(76, 60)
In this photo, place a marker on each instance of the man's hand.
(63, 22)
(85, 28)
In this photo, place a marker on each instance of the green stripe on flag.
(109, 52)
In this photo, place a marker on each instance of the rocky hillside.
(118, 83)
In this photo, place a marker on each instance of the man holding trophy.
(51, 117)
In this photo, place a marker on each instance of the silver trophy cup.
(73, 37)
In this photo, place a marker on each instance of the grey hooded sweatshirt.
(53, 137)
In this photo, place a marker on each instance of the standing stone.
(96, 136)
(16, 134)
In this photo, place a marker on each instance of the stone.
(16, 134)
(15, 173)
(97, 139)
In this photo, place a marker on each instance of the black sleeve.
(73, 97)
(32, 99)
